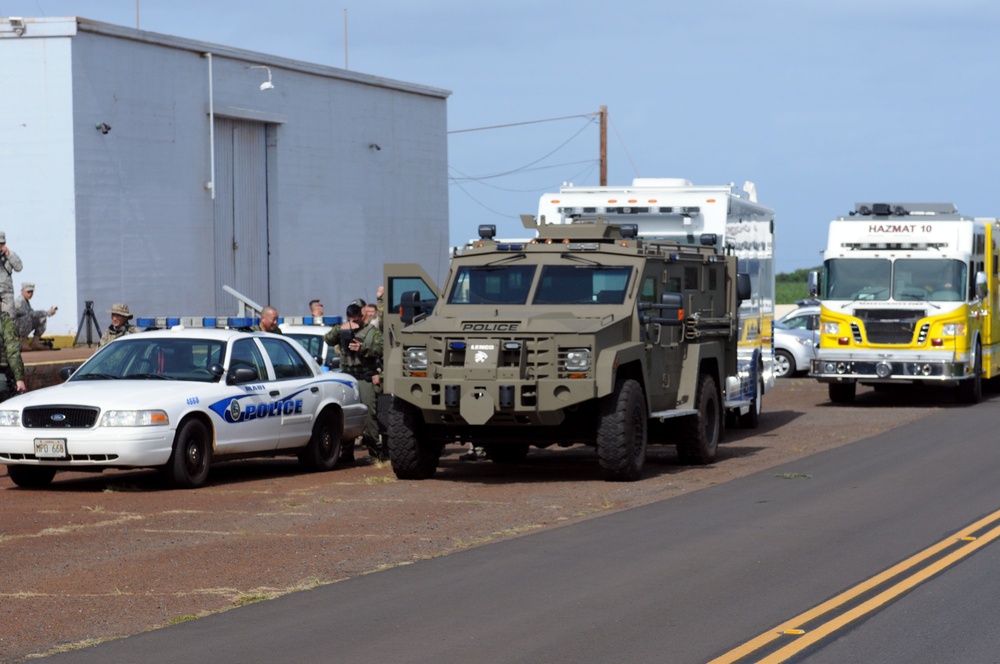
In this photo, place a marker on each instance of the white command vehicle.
(721, 216)
(909, 295)
(178, 400)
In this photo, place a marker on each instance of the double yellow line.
(911, 572)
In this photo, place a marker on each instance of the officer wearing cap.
(360, 349)
(120, 317)
(30, 322)
(9, 264)
(11, 364)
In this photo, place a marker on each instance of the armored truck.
(584, 334)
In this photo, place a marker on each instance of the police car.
(312, 338)
(177, 400)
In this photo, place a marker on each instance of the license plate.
(50, 448)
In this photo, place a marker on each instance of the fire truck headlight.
(953, 330)
(831, 328)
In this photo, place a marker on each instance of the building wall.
(37, 207)
(337, 207)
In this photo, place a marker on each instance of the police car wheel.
(192, 456)
(323, 449)
(31, 477)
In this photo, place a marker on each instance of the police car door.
(295, 391)
(246, 425)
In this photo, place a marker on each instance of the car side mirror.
(66, 372)
(241, 375)
(743, 286)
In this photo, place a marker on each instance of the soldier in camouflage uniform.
(120, 317)
(9, 264)
(30, 322)
(360, 349)
(10, 359)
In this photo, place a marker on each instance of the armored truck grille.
(889, 326)
(59, 417)
(524, 353)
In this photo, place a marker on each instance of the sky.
(820, 105)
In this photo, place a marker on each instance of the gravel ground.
(98, 557)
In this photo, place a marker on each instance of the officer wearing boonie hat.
(120, 316)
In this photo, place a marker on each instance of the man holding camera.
(360, 347)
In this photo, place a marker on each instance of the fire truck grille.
(889, 326)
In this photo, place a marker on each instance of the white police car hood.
(122, 394)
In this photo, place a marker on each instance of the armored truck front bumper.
(843, 366)
(497, 402)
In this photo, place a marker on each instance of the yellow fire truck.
(909, 295)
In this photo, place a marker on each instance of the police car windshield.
(582, 284)
(138, 358)
(494, 284)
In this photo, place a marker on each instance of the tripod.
(88, 320)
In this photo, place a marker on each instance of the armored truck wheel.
(700, 433)
(411, 458)
(622, 432)
(842, 392)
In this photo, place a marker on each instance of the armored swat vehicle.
(585, 334)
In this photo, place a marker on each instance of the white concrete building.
(151, 169)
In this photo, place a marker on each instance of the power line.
(527, 122)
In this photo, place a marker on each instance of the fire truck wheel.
(842, 392)
(622, 433)
(700, 433)
(971, 390)
(411, 458)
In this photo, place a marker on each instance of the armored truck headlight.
(134, 418)
(578, 360)
(831, 328)
(415, 358)
(10, 418)
(953, 330)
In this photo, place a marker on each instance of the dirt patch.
(97, 557)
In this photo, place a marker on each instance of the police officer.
(10, 359)
(360, 347)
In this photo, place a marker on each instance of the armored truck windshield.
(582, 284)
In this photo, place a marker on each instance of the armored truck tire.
(31, 477)
(622, 432)
(507, 452)
(699, 434)
(411, 458)
(971, 390)
(842, 392)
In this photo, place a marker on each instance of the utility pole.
(604, 146)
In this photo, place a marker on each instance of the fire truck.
(908, 296)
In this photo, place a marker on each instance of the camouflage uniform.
(10, 357)
(28, 320)
(112, 333)
(363, 364)
(9, 264)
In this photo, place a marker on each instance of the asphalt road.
(684, 580)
